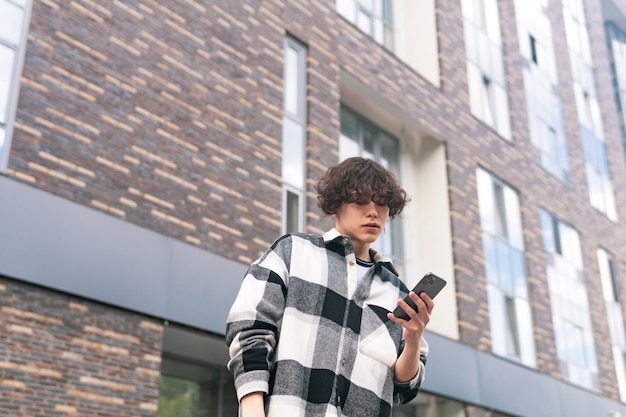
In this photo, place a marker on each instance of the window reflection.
(189, 388)
(569, 303)
(507, 289)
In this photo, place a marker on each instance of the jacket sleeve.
(403, 392)
(254, 320)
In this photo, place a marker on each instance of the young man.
(310, 333)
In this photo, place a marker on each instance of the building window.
(373, 17)
(294, 137)
(615, 318)
(431, 406)
(195, 389)
(360, 137)
(194, 380)
(13, 27)
(396, 24)
(589, 119)
(485, 66)
(503, 246)
(570, 306)
(545, 116)
(616, 39)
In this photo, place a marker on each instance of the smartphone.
(430, 283)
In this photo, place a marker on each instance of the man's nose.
(372, 209)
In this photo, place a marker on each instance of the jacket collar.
(333, 235)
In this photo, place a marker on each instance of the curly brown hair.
(360, 180)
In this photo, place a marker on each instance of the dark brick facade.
(168, 115)
(61, 355)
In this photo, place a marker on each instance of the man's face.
(363, 222)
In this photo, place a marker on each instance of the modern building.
(151, 150)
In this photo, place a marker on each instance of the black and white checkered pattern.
(319, 344)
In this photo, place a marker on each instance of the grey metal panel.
(51, 241)
(577, 402)
(518, 390)
(457, 371)
(202, 287)
(452, 368)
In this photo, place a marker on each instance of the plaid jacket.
(303, 332)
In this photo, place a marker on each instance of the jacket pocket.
(379, 338)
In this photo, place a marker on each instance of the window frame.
(615, 317)
(569, 302)
(485, 65)
(295, 119)
(541, 89)
(352, 9)
(510, 317)
(599, 182)
(14, 83)
(616, 40)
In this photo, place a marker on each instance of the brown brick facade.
(168, 115)
(62, 355)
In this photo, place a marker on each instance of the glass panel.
(364, 21)
(11, 21)
(525, 326)
(492, 20)
(292, 213)
(293, 153)
(346, 8)
(369, 145)
(608, 289)
(497, 320)
(348, 148)
(503, 124)
(486, 98)
(500, 211)
(474, 80)
(514, 223)
(504, 266)
(178, 397)
(7, 62)
(486, 203)
(349, 125)
(512, 331)
(496, 71)
(518, 272)
(378, 31)
(194, 389)
(468, 7)
(471, 51)
(483, 52)
(491, 263)
(389, 153)
(291, 95)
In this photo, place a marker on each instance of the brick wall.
(168, 115)
(62, 355)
